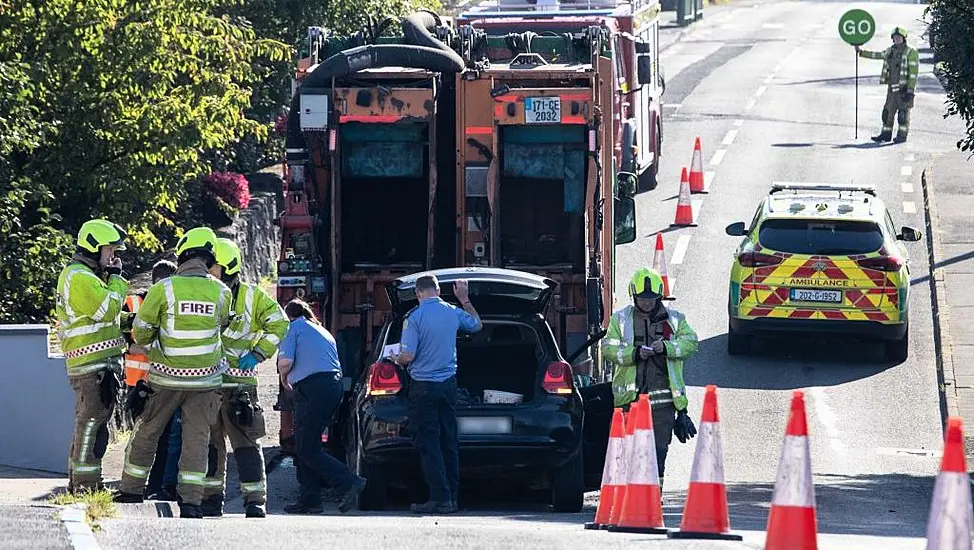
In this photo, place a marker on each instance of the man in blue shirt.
(429, 347)
(308, 363)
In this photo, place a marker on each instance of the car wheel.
(737, 343)
(899, 350)
(376, 491)
(568, 486)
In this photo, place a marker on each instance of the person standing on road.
(258, 326)
(901, 64)
(90, 292)
(182, 318)
(429, 347)
(309, 366)
(647, 343)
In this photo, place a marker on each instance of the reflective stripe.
(136, 365)
(81, 331)
(192, 350)
(619, 356)
(86, 439)
(244, 330)
(192, 478)
(213, 482)
(133, 302)
(103, 308)
(142, 324)
(794, 484)
(613, 342)
(272, 338)
(82, 468)
(276, 316)
(644, 470)
(136, 471)
(676, 349)
(708, 462)
(191, 334)
(254, 487)
(170, 305)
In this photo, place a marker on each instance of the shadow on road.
(864, 145)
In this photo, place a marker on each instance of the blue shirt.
(430, 332)
(311, 347)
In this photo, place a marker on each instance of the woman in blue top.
(308, 363)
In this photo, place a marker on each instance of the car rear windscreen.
(819, 237)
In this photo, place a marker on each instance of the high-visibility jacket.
(909, 66)
(258, 326)
(617, 348)
(88, 311)
(182, 317)
(136, 364)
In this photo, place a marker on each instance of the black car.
(553, 436)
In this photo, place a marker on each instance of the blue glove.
(248, 362)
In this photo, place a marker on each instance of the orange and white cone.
(659, 263)
(951, 521)
(698, 183)
(792, 523)
(705, 515)
(620, 494)
(684, 206)
(611, 480)
(642, 505)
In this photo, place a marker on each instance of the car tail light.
(757, 259)
(882, 263)
(558, 378)
(384, 379)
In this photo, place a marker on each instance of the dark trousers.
(664, 418)
(315, 400)
(433, 423)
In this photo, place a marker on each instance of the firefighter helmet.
(199, 237)
(228, 256)
(900, 31)
(646, 282)
(95, 234)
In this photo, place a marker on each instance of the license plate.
(814, 295)
(542, 110)
(473, 425)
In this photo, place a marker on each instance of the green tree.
(952, 25)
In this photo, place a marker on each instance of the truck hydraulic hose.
(416, 29)
(366, 57)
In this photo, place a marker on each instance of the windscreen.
(820, 237)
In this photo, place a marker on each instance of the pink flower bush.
(229, 186)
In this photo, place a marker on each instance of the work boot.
(128, 498)
(256, 511)
(190, 511)
(167, 494)
(351, 496)
(434, 507)
(883, 136)
(212, 506)
(303, 509)
(900, 137)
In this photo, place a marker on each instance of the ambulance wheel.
(568, 486)
(898, 350)
(737, 343)
(376, 492)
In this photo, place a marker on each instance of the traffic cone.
(684, 207)
(610, 473)
(697, 181)
(642, 505)
(659, 264)
(620, 493)
(791, 523)
(951, 520)
(705, 515)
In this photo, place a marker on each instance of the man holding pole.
(901, 64)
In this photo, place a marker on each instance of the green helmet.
(199, 237)
(646, 282)
(228, 256)
(95, 234)
(900, 31)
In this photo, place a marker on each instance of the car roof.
(823, 201)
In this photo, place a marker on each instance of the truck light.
(331, 140)
(591, 140)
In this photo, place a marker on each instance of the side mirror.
(736, 229)
(644, 69)
(625, 219)
(909, 234)
(626, 184)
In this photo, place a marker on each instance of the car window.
(890, 226)
(804, 236)
(757, 217)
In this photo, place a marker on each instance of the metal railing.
(516, 8)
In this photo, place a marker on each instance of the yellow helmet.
(646, 281)
(199, 237)
(228, 256)
(900, 31)
(95, 234)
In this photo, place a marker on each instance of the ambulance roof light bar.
(785, 186)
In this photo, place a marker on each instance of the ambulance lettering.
(819, 282)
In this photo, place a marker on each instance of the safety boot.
(255, 511)
(128, 498)
(885, 135)
(212, 506)
(900, 137)
(190, 511)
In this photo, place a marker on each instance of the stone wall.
(258, 238)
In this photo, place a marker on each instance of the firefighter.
(257, 328)
(90, 291)
(901, 63)
(647, 343)
(182, 318)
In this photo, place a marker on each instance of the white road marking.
(74, 519)
(730, 137)
(739, 122)
(907, 187)
(909, 207)
(708, 179)
(718, 157)
(750, 104)
(828, 418)
(768, 79)
(906, 171)
(919, 453)
(910, 157)
(697, 205)
(680, 251)
(773, 26)
(761, 91)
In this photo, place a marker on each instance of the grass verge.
(99, 504)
